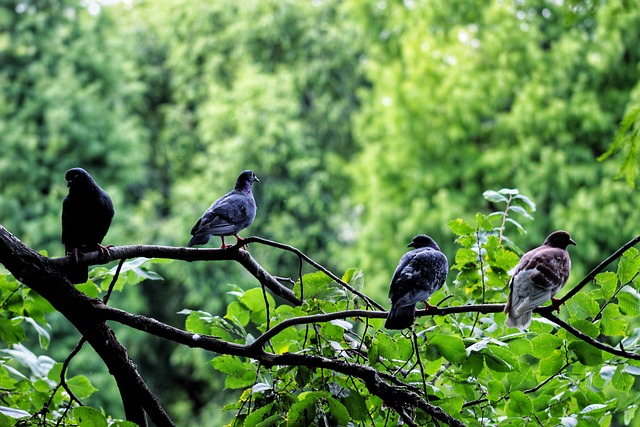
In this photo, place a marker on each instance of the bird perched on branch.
(538, 276)
(87, 212)
(228, 215)
(418, 275)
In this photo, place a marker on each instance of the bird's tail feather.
(199, 239)
(401, 317)
(520, 321)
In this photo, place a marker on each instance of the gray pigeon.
(538, 276)
(228, 215)
(87, 212)
(418, 275)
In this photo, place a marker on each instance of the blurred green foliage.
(367, 123)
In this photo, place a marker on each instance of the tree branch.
(593, 273)
(38, 273)
(233, 253)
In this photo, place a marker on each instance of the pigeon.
(228, 215)
(418, 275)
(538, 276)
(87, 212)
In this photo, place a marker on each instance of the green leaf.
(629, 301)
(585, 326)
(258, 415)
(582, 306)
(238, 311)
(608, 282)
(43, 334)
(354, 277)
(303, 412)
(629, 265)
(450, 347)
(11, 332)
(622, 381)
(587, 354)
(338, 411)
(465, 257)
(356, 405)
(499, 359)
(387, 347)
(612, 322)
(239, 374)
(483, 222)
(545, 344)
(198, 322)
(253, 299)
(526, 201)
(519, 404)
(89, 417)
(494, 196)
(81, 386)
(551, 365)
(461, 227)
(317, 286)
(452, 405)
(495, 390)
(520, 210)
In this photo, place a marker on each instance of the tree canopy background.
(366, 122)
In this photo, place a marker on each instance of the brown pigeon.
(538, 276)
(418, 275)
(87, 212)
(228, 215)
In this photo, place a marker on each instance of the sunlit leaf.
(629, 265)
(461, 227)
(81, 386)
(582, 306)
(519, 404)
(89, 417)
(629, 301)
(608, 282)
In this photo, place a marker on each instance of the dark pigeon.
(87, 212)
(538, 276)
(419, 274)
(228, 215)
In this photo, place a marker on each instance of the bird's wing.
(224, 216)
(423, 274)
(538, 276)
(525, 295)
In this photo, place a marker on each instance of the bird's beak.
(411, 245)
(68, 183)
(255, 178)
(571, 242)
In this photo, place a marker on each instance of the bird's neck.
(243, 187)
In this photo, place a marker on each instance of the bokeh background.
(367, 122)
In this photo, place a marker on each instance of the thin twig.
(316, 265)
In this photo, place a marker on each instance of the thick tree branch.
(394, 395)
(233, 253)
(37, 272)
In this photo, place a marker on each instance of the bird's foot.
(224, 245)
(74, 255)
(104, 250)
(428, 306)
(556, 303)
(239, 241)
